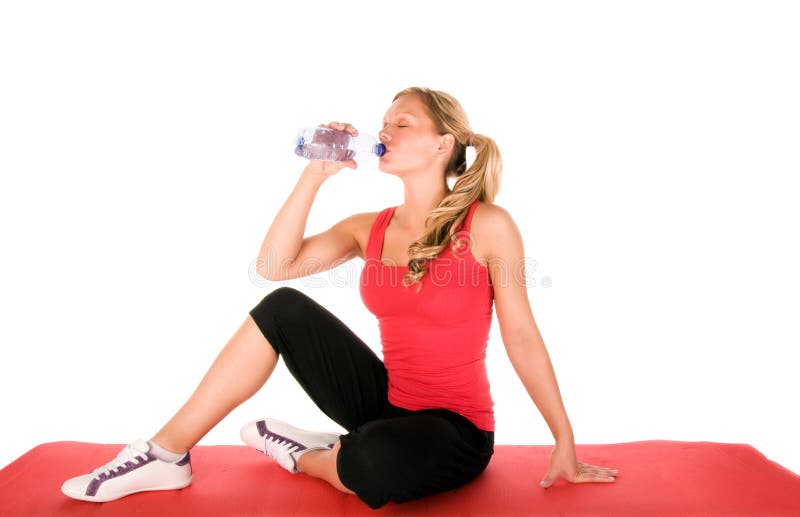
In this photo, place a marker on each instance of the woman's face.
(411, 140)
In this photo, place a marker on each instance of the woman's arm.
(526, 349)
(286, 254)
(284, 238)
(521, 337)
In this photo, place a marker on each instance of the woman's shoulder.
(489, 216)
(489, 223)
(362, 226)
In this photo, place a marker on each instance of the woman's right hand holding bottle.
(327, 168)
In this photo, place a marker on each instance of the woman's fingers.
(341, 126)
(587, 476)
(588, 466)
(593, 472)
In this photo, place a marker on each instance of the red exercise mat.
(656, 478)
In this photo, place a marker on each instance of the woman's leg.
(322, 464)
(240, 369)
(238, 372)
(337, 370)
(413, 455)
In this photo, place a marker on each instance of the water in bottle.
(321, 143)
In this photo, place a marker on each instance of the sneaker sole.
(84, 497)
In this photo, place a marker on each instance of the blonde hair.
(480, 181)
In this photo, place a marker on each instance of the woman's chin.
(385, 167)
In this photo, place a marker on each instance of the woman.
(421, 421)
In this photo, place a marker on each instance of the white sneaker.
(135, 469)
(284, 443)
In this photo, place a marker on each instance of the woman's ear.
(446, 143)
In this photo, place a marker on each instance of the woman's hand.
(564, 463)
(329, 168)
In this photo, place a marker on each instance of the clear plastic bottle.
(321, 143)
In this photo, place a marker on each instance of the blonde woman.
(421, 421)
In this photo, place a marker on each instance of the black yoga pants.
(389, 453)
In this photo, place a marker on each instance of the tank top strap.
(467, 222)
(375, 242)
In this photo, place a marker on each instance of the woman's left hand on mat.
(564, 463)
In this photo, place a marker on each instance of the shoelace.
(273, 447)
(272, 444)
(127, 454)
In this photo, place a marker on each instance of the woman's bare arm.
(286, 254)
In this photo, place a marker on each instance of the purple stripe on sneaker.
(263, 431)
(183, 460)
(129, 466)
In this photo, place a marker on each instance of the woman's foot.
(284, 443)
(135, 469)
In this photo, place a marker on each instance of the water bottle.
(322, 143)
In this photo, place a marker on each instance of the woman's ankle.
(313, 461)
(321, 463)
(164, 448)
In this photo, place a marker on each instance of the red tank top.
(434, 341)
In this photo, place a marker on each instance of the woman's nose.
(383, 136)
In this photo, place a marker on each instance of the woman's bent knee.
(283, 295)
(270, 307)
(280, 302)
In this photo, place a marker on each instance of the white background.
(650, 161)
